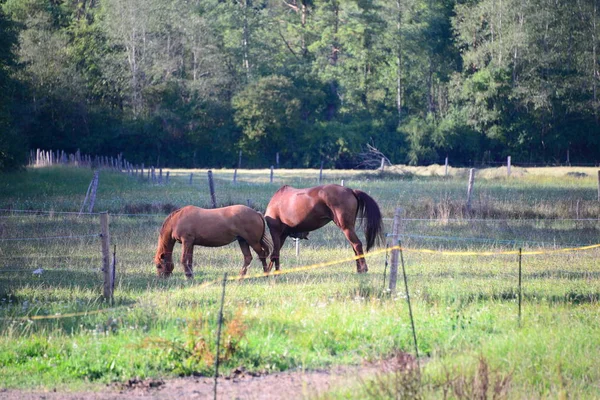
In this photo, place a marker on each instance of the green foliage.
(12, 146)
(191, 83)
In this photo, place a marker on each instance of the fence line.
(440, 220)
(48, 238)
(9, 210)
(320, 265)
(487, 240)
(372, 253)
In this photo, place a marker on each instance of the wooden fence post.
(191, 177)
(599, 185)
(520, 284)
(508, 165)
(342, 182)
(297, 240)
(321, 172)
(108, 274)
(93, 193)
(446, 167)
(412, 320)
(271, 177)
(220, 324)
(87, 194)
(396, 227)
(211, 187)
(160, 176)
(167, 178)
(277, 159)
(235, 175)
(470, 188)
(382, 166)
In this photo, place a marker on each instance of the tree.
(12, 148)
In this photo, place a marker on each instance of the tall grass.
(465, 307)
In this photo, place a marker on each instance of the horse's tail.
(367, 207)
(266, 242)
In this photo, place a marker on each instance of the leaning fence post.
(105, 236)
(220, 322)
(93, 193)
(386, 264)
(412, 321)
(211, 187)
(87, 194)
(470, 188)
(395, 248)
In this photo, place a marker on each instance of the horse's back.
(331, 195)
(216, 226)
(310, 208)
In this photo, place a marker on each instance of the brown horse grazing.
(295, 212)
(216, 227)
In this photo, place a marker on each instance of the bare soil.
(239, 385)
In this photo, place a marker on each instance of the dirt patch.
(239, 385)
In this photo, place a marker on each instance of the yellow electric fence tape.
(426, 251)
(334, 262)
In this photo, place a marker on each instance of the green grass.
(465, 307)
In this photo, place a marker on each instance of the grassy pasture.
(465, 307)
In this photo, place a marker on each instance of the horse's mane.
(281, 189)
(169, 217)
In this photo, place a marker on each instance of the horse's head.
(164, 265)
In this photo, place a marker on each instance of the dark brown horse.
(295, 212)
(216, 227)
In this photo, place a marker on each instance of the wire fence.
(49, 253)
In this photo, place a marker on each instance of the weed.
(483, 384)
(404, 383)
(195, 353)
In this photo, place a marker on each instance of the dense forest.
(190, 83)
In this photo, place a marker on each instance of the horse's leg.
(262, 256)
(247, 255)
(361, 264)
(187, 257)
(278, 242)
